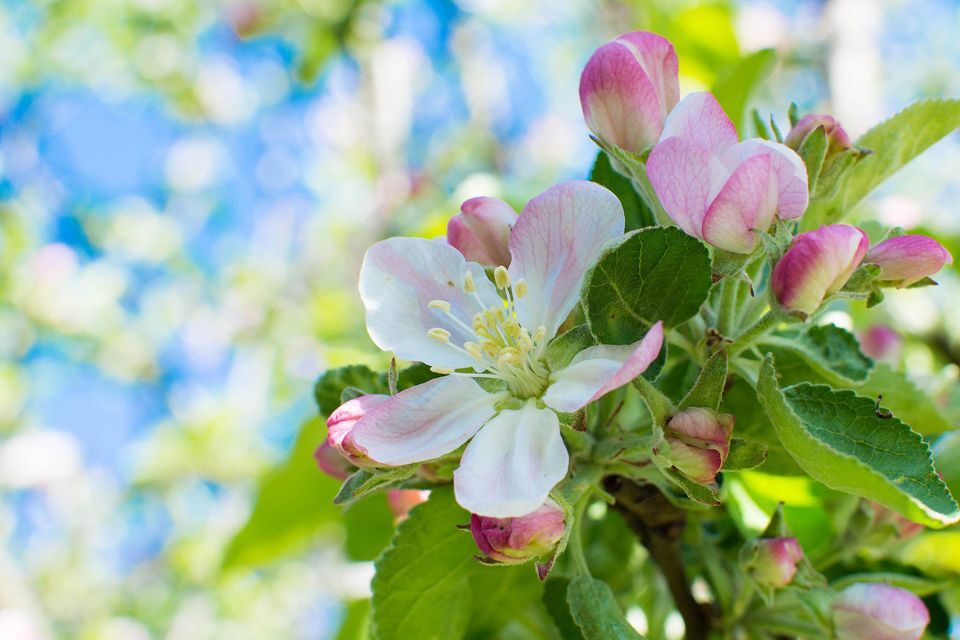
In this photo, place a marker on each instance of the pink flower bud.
(402, 500)
(481, 231)
(699, 442)
(837, 138)
(876, 611)
(516, 540)
(342, 421)
(905, 259)
(627, 89)
(881, 343)
(774, 562)
(332, 462)
(817, 264)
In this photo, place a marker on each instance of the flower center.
(502, 348)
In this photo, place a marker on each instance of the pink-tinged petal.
(558, 236)
(620, 103)
(836, 137)
(332, 462)
(700, 465)
(682, 173)
(510, 466)
(424, 422)
(399, 278)
(659, 61)
(775, 561)
(906, 259)
(598, 370)
(877, 611)
(817, 264)
(481, 230)
(746, 202)
(882, 343)
(791, 173)
(700, 118)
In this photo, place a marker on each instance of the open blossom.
(774, 561)
(627, 89)
(876, 611)
(837, 138)
(481, 230)
(516, 540)
(904, 260)
(817, 264)
(699, 442)
(425, 302)
(718, 189)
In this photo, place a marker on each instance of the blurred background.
(186, 190)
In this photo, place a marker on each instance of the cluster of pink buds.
(699, 442)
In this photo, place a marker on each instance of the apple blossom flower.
(699, 442)
(774, 561)
(627, 89)
(817, 264)
(904, 260)
(718, 189)
(882, 343)
(482, 229)
(341, 422)
(426, 303)
(837, 138)
(877, 611)
(519, 539)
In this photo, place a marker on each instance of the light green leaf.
(595, 611)
(831, 351)
(363, 482)
(907, 402)
(369, 525)
(894, 142)
(734, 88)
(840, 439)
(919, 585)
(635, 212)
(813, 151)
(707, 391)
(428, 586)
(561, 349)
(356, 622)
(653, 274)
(745, 454)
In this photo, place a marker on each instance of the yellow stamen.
(540, 333)
(520, 288)
(438, 334)
(442, 305)
(468, 284)
(502, 277)
(473, 349)
(441, 370)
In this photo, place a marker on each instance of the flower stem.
(762, 326)
(577, 558)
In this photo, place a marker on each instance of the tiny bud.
(439, 334)
(332, 462)
(516, 540)
(401, 501)
(877, 611)
(817, 264)
(837, 138)
(881, 343)
(502, 277)
(699, 442)
(481, 231)
(342, 422)
(904, 260)
(440, 305)
(774, 561)
(468, 284)
(627, 89)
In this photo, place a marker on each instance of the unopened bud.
(516, 540)
(341, 423)
(699, 442)
(481, 231)
(837, 138)
(773, 561)
(877, 611)
(903, 260)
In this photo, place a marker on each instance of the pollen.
(502, 277)
(468, 284)
(441, 305)
(520, 288)
(438, 334)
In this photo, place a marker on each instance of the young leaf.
(842, 440)
(813, 151)
(893, 142)
(635, 212)
(561, 349)
(707, 391)
(595, 611)
(428, 585)
(745, 454)
(653, 274)
(830, 351)
(733, 88)
(363, 482)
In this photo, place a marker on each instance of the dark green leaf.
(635, 212)
(555, 600)
(653, 274)
(595, 611)
(842, 440)
(330, 385)
(831, 351)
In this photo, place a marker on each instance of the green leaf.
(555, 600)
(707, 391)
(946, 455)
(364, 482)
(369, 525)
(894, 142)
(907, 402)
(330, 385)
(428, 586)
(831, 351)
(813, 152)
(595, 611)
(734, 88)
(295, 499)
(356, 622)
(564, 347)
(919, 585)
(635, 212)
(840, 439)
(653, 274)
(745, 454)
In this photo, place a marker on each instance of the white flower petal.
(399, 278)
(425, 421)
(558, 236)
(596, 371)
(510, 466)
